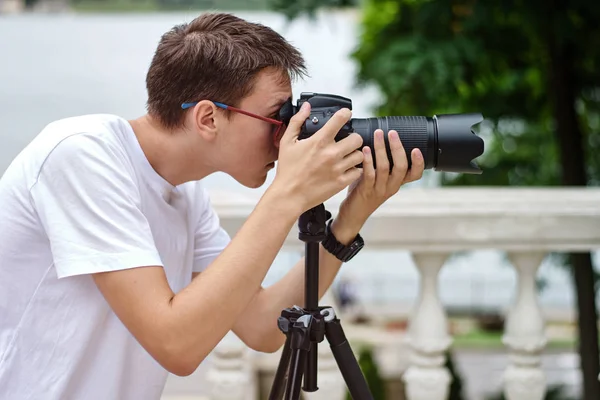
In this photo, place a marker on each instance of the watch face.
(353, 249)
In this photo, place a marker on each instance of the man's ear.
(205, 119)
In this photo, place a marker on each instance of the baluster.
(427, 378)
(524, 334)
(231, 376)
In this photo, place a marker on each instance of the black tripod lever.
(306, 327)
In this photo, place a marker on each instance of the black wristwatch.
(340, 251)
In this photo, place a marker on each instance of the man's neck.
(169, 152)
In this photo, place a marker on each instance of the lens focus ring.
(412, 131)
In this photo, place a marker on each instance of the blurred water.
(58, 65)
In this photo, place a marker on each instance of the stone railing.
(432, 224)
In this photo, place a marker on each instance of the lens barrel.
(447, 141)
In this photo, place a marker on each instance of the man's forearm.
(208, 307)
(267, 304)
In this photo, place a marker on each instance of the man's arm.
(87, 203)
(257, 326)
(179, 330)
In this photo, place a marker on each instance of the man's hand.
(375, 186)
(312, 170)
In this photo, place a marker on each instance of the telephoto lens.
(446, 141)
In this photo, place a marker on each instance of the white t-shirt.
(82, 198)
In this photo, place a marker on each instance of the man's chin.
(253, 182)
(256, 185)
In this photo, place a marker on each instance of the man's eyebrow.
(279, 103)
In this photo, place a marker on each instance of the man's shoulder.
(102, 135)
(74, 135)
(97, 124)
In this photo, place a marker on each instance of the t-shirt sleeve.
(210, 238)
(88, 203)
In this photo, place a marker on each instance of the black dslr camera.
(447, 142)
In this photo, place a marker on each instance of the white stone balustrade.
(434, 223)
(428, 337)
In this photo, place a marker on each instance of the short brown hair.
(215, 57)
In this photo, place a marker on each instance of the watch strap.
(342, 252)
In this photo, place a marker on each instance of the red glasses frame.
(279, 124)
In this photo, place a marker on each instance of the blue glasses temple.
(192, 104)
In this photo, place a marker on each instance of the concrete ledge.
(458, 219)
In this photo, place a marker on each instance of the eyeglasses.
(279, 125)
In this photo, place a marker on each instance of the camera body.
(323, 107)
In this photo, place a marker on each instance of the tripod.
(306, 327)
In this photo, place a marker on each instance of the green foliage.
(431, 57)
(442, 56)
(370, 370)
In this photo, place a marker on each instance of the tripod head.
(311, 224)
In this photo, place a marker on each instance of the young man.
(114, 270)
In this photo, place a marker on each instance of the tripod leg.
(297, 366)
(310, 373)
(280, 380)
(344, 357)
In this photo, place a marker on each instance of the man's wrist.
(280, 202)
(346, 227)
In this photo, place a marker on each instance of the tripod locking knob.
(283, 324)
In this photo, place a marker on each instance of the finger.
(416, 169)
(293, 129)
(351, 160)
(349, 144)
(382, 163)
(351, 175)
(333, 125)
(368, 168)
(399, 158)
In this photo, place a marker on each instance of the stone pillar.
(524, 333)
(231, 376)
(427, 378)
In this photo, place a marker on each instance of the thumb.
(293, 129)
